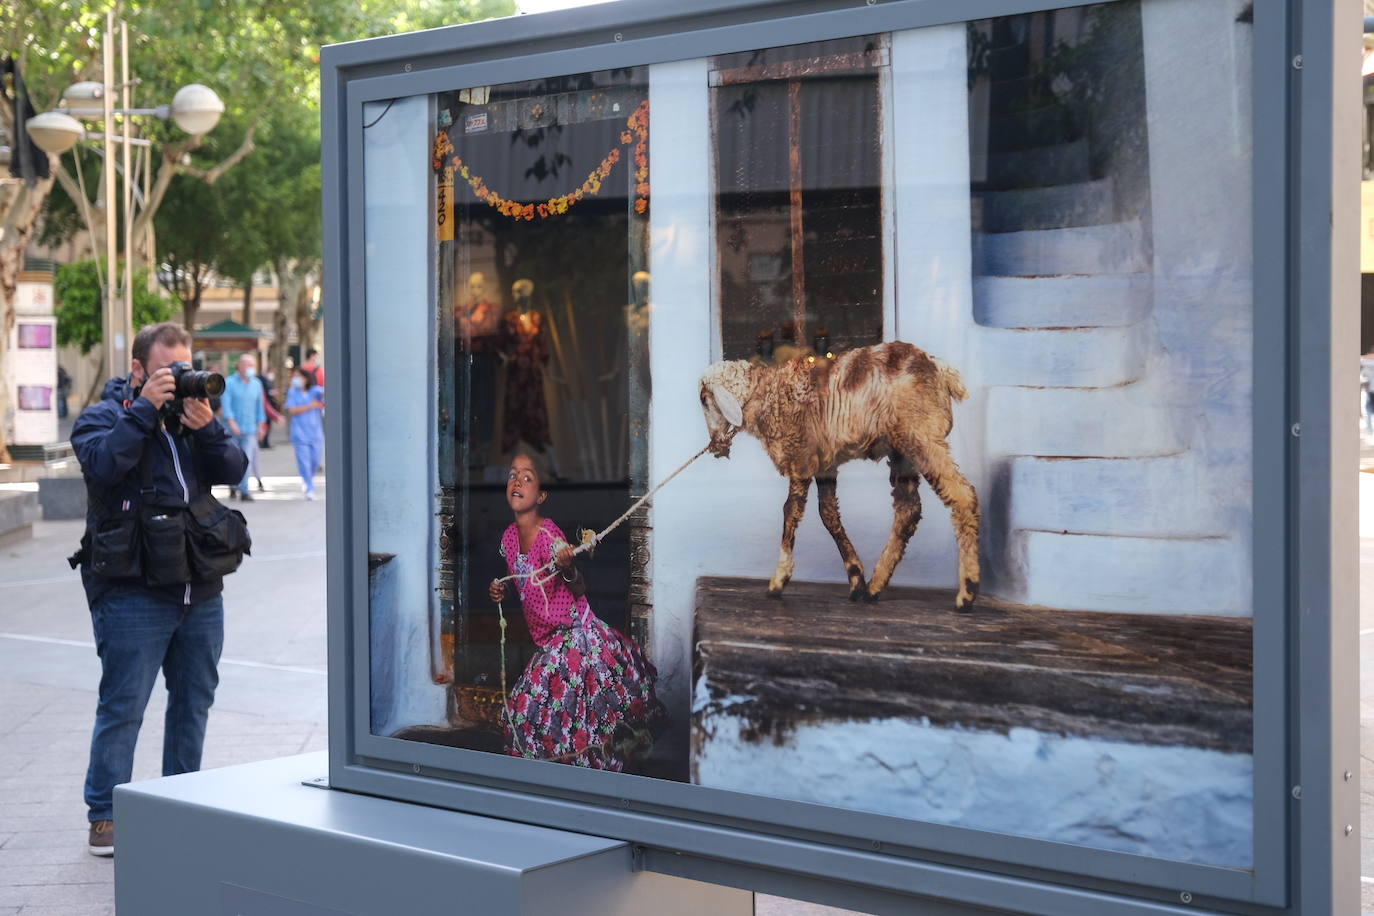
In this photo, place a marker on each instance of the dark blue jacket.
(109, 439)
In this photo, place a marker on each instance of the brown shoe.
(101, 842)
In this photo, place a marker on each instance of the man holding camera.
(152, 560)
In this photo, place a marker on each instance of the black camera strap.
(147, 489)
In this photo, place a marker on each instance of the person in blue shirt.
(305, 406)
(246, 416)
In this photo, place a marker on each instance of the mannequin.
(479, 328)
(525, 349)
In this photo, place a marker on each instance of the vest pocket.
(116, 552)
(164, 548)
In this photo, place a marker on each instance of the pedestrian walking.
(312, 362)
(246, 416)
(271, 406)
(1367, 391)
(305, 406)
(64, 391)
(151, 566)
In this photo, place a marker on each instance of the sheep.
(812, 415)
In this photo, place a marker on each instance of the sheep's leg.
(830, 516)
(906, 514)
(791, 514)
(937, 465)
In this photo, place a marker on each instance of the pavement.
(271, 700)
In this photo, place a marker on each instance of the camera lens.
(192, 383)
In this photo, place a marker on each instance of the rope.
(589, 543)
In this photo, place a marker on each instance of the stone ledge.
(62, 497)
(18, 512)
(815, 657)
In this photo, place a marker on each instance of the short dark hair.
(168, 333)
(310, 353)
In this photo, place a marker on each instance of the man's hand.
(196, 413)
(160, 388)
(262, 430)
(234, 427)
(496, 591)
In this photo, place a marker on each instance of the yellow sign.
(444, 217)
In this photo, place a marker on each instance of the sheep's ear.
(728, 406)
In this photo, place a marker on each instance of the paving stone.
(93, 871)
(52, 855)
(94, 910)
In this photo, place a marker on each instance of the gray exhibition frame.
(1305, 620)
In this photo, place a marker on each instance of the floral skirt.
(586, 699)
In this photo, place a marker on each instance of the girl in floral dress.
(587, 697)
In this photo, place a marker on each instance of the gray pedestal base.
(253, 841)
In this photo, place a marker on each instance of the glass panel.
(985, 285)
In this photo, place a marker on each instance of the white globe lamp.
(196, 109)
(85, 91)
(55, 132)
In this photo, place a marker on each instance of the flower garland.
(638, 130)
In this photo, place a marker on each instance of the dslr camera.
(191, 383)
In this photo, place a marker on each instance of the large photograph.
(864, 422)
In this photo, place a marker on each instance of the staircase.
(1096, 498)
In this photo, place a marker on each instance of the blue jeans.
(248, 441)
(136, 634)
(308, 460)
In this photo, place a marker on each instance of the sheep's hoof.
(773, 592)
(967, 595)
(871, 597)
(857, 592)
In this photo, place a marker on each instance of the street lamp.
(55, 132)
(195, 108)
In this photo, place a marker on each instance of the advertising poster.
(33, 375)
(864, 422)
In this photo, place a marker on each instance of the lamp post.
(195, 108)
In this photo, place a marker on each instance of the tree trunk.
(20, 206)
(307, 328)
(282, 320)
(248, 303)
(190, 307)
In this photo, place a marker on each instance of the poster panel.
(33, 377)
(968, 291)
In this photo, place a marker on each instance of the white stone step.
(1060, 163)
(1062, 358)
(1135, 497)
(1116, 248)
(1061, 302)
(1086, 203)
(1128, 421)
(1086, 572)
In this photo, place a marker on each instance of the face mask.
(251, 372)
(297, 383)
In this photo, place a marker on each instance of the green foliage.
(80, 304)
(262, 57)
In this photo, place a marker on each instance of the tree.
(259, 55)
(208, 230)
(81, 305)
(254, 54)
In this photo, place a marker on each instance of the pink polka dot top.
(549, 607)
